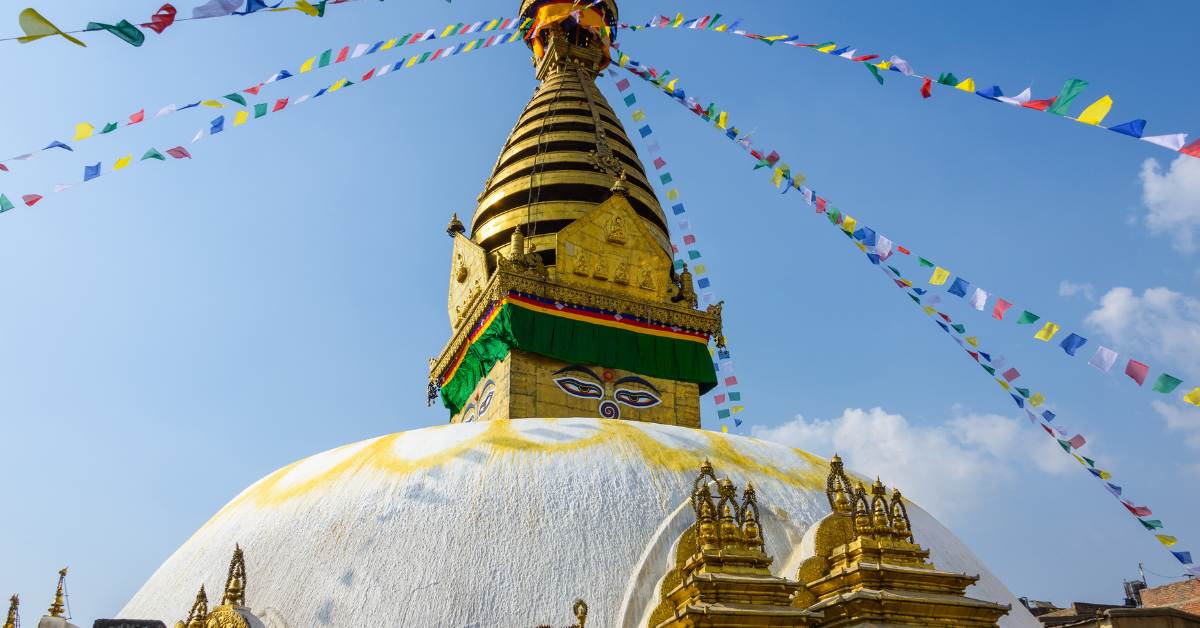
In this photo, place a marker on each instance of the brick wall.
(1184, 596)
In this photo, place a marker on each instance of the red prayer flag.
(280, 104)
(436, 53)
(137, 117)
(369, 74)
(342, 55)
(1001, 307)
(903, 250)
(927, 88)
(731, 381)
(689, 239)
(622, 85)
(865, 58)
(1138, 511)
(820, 205)
(1011, 374)
(659, 163)
(253, 90)
(1048, 430)
(1192, 149)
(674, 249)
(179, 152)
(491, 40)
(1040, 105)
(4, 167)
(1137, 371)
(414, 38)
(773, 158)
(944, 317)
(973, 355)
(1077, 441)
(719, 399)
(31, 199)
(162, 19)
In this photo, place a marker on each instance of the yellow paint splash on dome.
(502, 438)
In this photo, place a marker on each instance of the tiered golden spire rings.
(235, 581)
(877, 515)
(197, 616)
(14, 604)
(58, 607)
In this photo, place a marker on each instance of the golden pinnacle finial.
(235, 582)
(14, 603)
(581, 611)
(456, 226)
(56, 609)
(197, 616)
(618, 186)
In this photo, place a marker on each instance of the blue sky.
(174, 332)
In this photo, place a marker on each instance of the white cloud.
(1162, 323)
(1172, 200)
(1069, 289)
(944, 467)
(1186, 421)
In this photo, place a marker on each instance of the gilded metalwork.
(14, 605)
(197, 616)
(580, 610)
(231, 613)
(58, 606)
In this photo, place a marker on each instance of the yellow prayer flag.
(490, 25)
(307, 66)
(722, 120)
(862, 247)
(37, 27)
(738, 409)
(83, 130)
(777, 178)
(973, 341)
(907, 283)
(213, 103)
(722, 28)
(386, 46)
(449, 29)
(412, 61)
(724, 429)
(968, 85)
(700, 269)
(940, 275)
(1037, 399)
(338, 85)
(470, 45)
(1166, 539)
(122, 162)
(1105, 475)
(672, 194)
(929, 311)
(678, 21)
(623, 60)
(1003, 384)
(884, 65)
(848, 224)
(671, 86)
(305, 7)
(639, 115)
(240, 118)
(1047, 332)
(828, 48)
(1079, 460)
(1095, 112)
(1193, 397)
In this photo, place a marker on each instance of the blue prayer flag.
(990, 93)
(920, 291)
(737, 422)
(873, 258)
(703, 283)
(1183, 557)
(944, 327)
(218, 125)
(58, 144)
(959, 288)
(678, 208)
(1133, 128)
(645, 131)
(320, 92)
(1072, 343)
(986, 356)
(1020, 401)
(1048, 415)
(189, 106)
(840, 50)
(375, 48)
(91, 172)
(255, 5)
(282, 75)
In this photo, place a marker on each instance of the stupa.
(572, 482)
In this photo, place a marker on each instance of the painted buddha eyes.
(632, 391)
(579, 388)
(469, 414)
(485, 398)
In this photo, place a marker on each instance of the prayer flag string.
(876, 248)
(259, 110)
(331, 56)
(1092, 115)
(727, 396)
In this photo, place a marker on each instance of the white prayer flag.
(979, 299)
(360, 50)
(1104, 359)
(1174, 141)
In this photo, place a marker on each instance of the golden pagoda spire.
(235, 581)
(14, 604)
(57, 608)
(197, 616)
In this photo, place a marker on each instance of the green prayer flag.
(713, 24)
(1070, 89)
(326, 57)
(915, 299)
(989, 369)
(960, 328)
(893, 269)
(153, 154)
(5, 204)
(948, 78)
(1064, 444)
(735, 396)
(630, 99)
(1091, 463)
(109, 128)
(1024, 391)
(924, 262)
(1166, 383)
(1151, 524)
(237, 98)
(665, 178)
(1027, 318)
(124, 31)
(260, 110)
(722, 414)
(874, 72)
(425, 57)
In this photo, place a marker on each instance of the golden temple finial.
(235, 581)
(197, 616)
(748, 517)
(618, 186)
(14, 604)
(880, 521)
(456, 226)
(58, 607)
(901, 525)
(581, 610)
(838, 487)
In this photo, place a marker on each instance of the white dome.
(502, 523)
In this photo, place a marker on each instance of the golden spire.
(14, 603)
(235, 582)
(56, 609)
(581, 610)
(197, 616)
(455, 227)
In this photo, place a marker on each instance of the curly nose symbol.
(609, 410)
